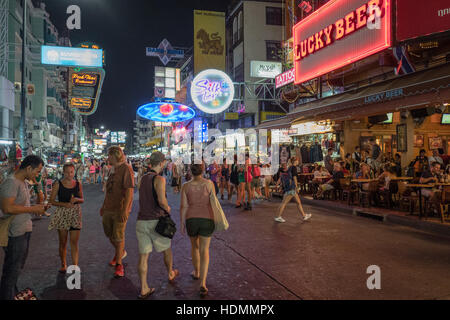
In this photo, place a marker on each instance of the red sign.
(284, 78)
(339, 33)
(416, 18)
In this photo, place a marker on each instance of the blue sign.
(72, 57)
(166, 112)
(165, 52)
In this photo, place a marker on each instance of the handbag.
(220, 221)
(166, 227)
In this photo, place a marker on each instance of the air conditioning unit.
(17, 86)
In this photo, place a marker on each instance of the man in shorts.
(117, 205)
(153, 205)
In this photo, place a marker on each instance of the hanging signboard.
(339, 33)
(212, 91)
(285, 78)
(72, 57)
(265, 69)
(84, 89)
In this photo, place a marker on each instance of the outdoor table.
(401, 178)
(420, 186)
(306, 174)
(363, 180)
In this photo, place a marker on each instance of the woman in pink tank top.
(197, 218)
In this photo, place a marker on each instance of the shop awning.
(417, 89)
(281, 123)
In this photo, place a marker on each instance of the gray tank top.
(149, 208)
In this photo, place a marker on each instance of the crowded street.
(256, 259)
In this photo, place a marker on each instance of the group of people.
(197, 218)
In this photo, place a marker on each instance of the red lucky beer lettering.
(353, 21)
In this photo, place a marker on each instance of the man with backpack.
(288, 180)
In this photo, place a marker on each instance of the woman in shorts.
(67, 218)
(197, 218)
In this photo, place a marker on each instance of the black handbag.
(166, 227)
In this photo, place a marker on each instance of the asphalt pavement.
(255, 259)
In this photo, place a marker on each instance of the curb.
(427, 226)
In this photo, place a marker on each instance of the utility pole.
(23, 104)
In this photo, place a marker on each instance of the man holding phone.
(15, 204)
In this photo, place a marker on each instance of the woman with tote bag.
(198, 206)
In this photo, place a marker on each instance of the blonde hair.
(117, 152)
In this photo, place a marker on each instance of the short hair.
(33, 161)
(156, 158)
(422, 151)
(357, 147)
(435, 163)
(348, 155)
(117, 152)
(371, 140)
(330, 149)
(196, 169)
(68, 165)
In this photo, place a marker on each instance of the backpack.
(287, 181)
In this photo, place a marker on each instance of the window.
(235, 30)
(273, 50)
(239, 73)
(274, 16)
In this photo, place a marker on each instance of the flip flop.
(177, 273)
(194, 277)
(203, 292)
(148, 294)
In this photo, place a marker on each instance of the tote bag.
(220, 221)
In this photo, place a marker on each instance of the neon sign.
(212, 91)
(81, 103)
(166, 112)
(84, 79)
(339, 33)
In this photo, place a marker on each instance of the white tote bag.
(220, 220)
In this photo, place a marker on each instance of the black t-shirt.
(337, 175)
(376, 151)
(427, 174)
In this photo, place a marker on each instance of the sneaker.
(307, 217)
(113, 261)
(280, 219)
(120, 272)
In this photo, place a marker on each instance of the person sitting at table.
(430, 176)
(398, 164)
(344, 168)
(421, 163)
(363, 173)
(385, 180)
(334, 183)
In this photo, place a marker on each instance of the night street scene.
(216, 159)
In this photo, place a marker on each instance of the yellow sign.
(81, 103)
(84, 79)
(231, 116)
(209, 40)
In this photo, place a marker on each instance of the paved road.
(257, 258)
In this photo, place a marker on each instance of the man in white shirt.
(436, 158)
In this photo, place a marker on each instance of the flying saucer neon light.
(212, 91)
(166, 112)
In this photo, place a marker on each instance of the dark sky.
(124, 28)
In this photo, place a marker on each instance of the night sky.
(124, 28)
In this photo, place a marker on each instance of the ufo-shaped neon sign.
(166, 112)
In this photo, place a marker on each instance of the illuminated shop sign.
(100, 142)
(122, 137)
(285, 78)
(72, 57)
(166, 112)
(212, 91)
(114, 137)
(311, 128)
(265, 69)
(84, 79)
(339, 33)
(81, 103)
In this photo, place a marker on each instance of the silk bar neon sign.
(330, 36)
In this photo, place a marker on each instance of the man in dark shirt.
(334, 183)
(376, 155)
(432, 175)
(329, 161)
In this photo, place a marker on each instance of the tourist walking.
(67, 217)
(15, 205)
(152, 206)
(117, 205)
(225, 179)
(197, 218)
(288, 179)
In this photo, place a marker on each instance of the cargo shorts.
(113, 229)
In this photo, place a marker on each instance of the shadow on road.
(61, 292)
(123, 289)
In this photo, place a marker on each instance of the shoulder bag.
(165, 226)
(220, 221)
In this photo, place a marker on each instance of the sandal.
(193, 276)
(148, 294)
(176, 274)
(203, 292)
